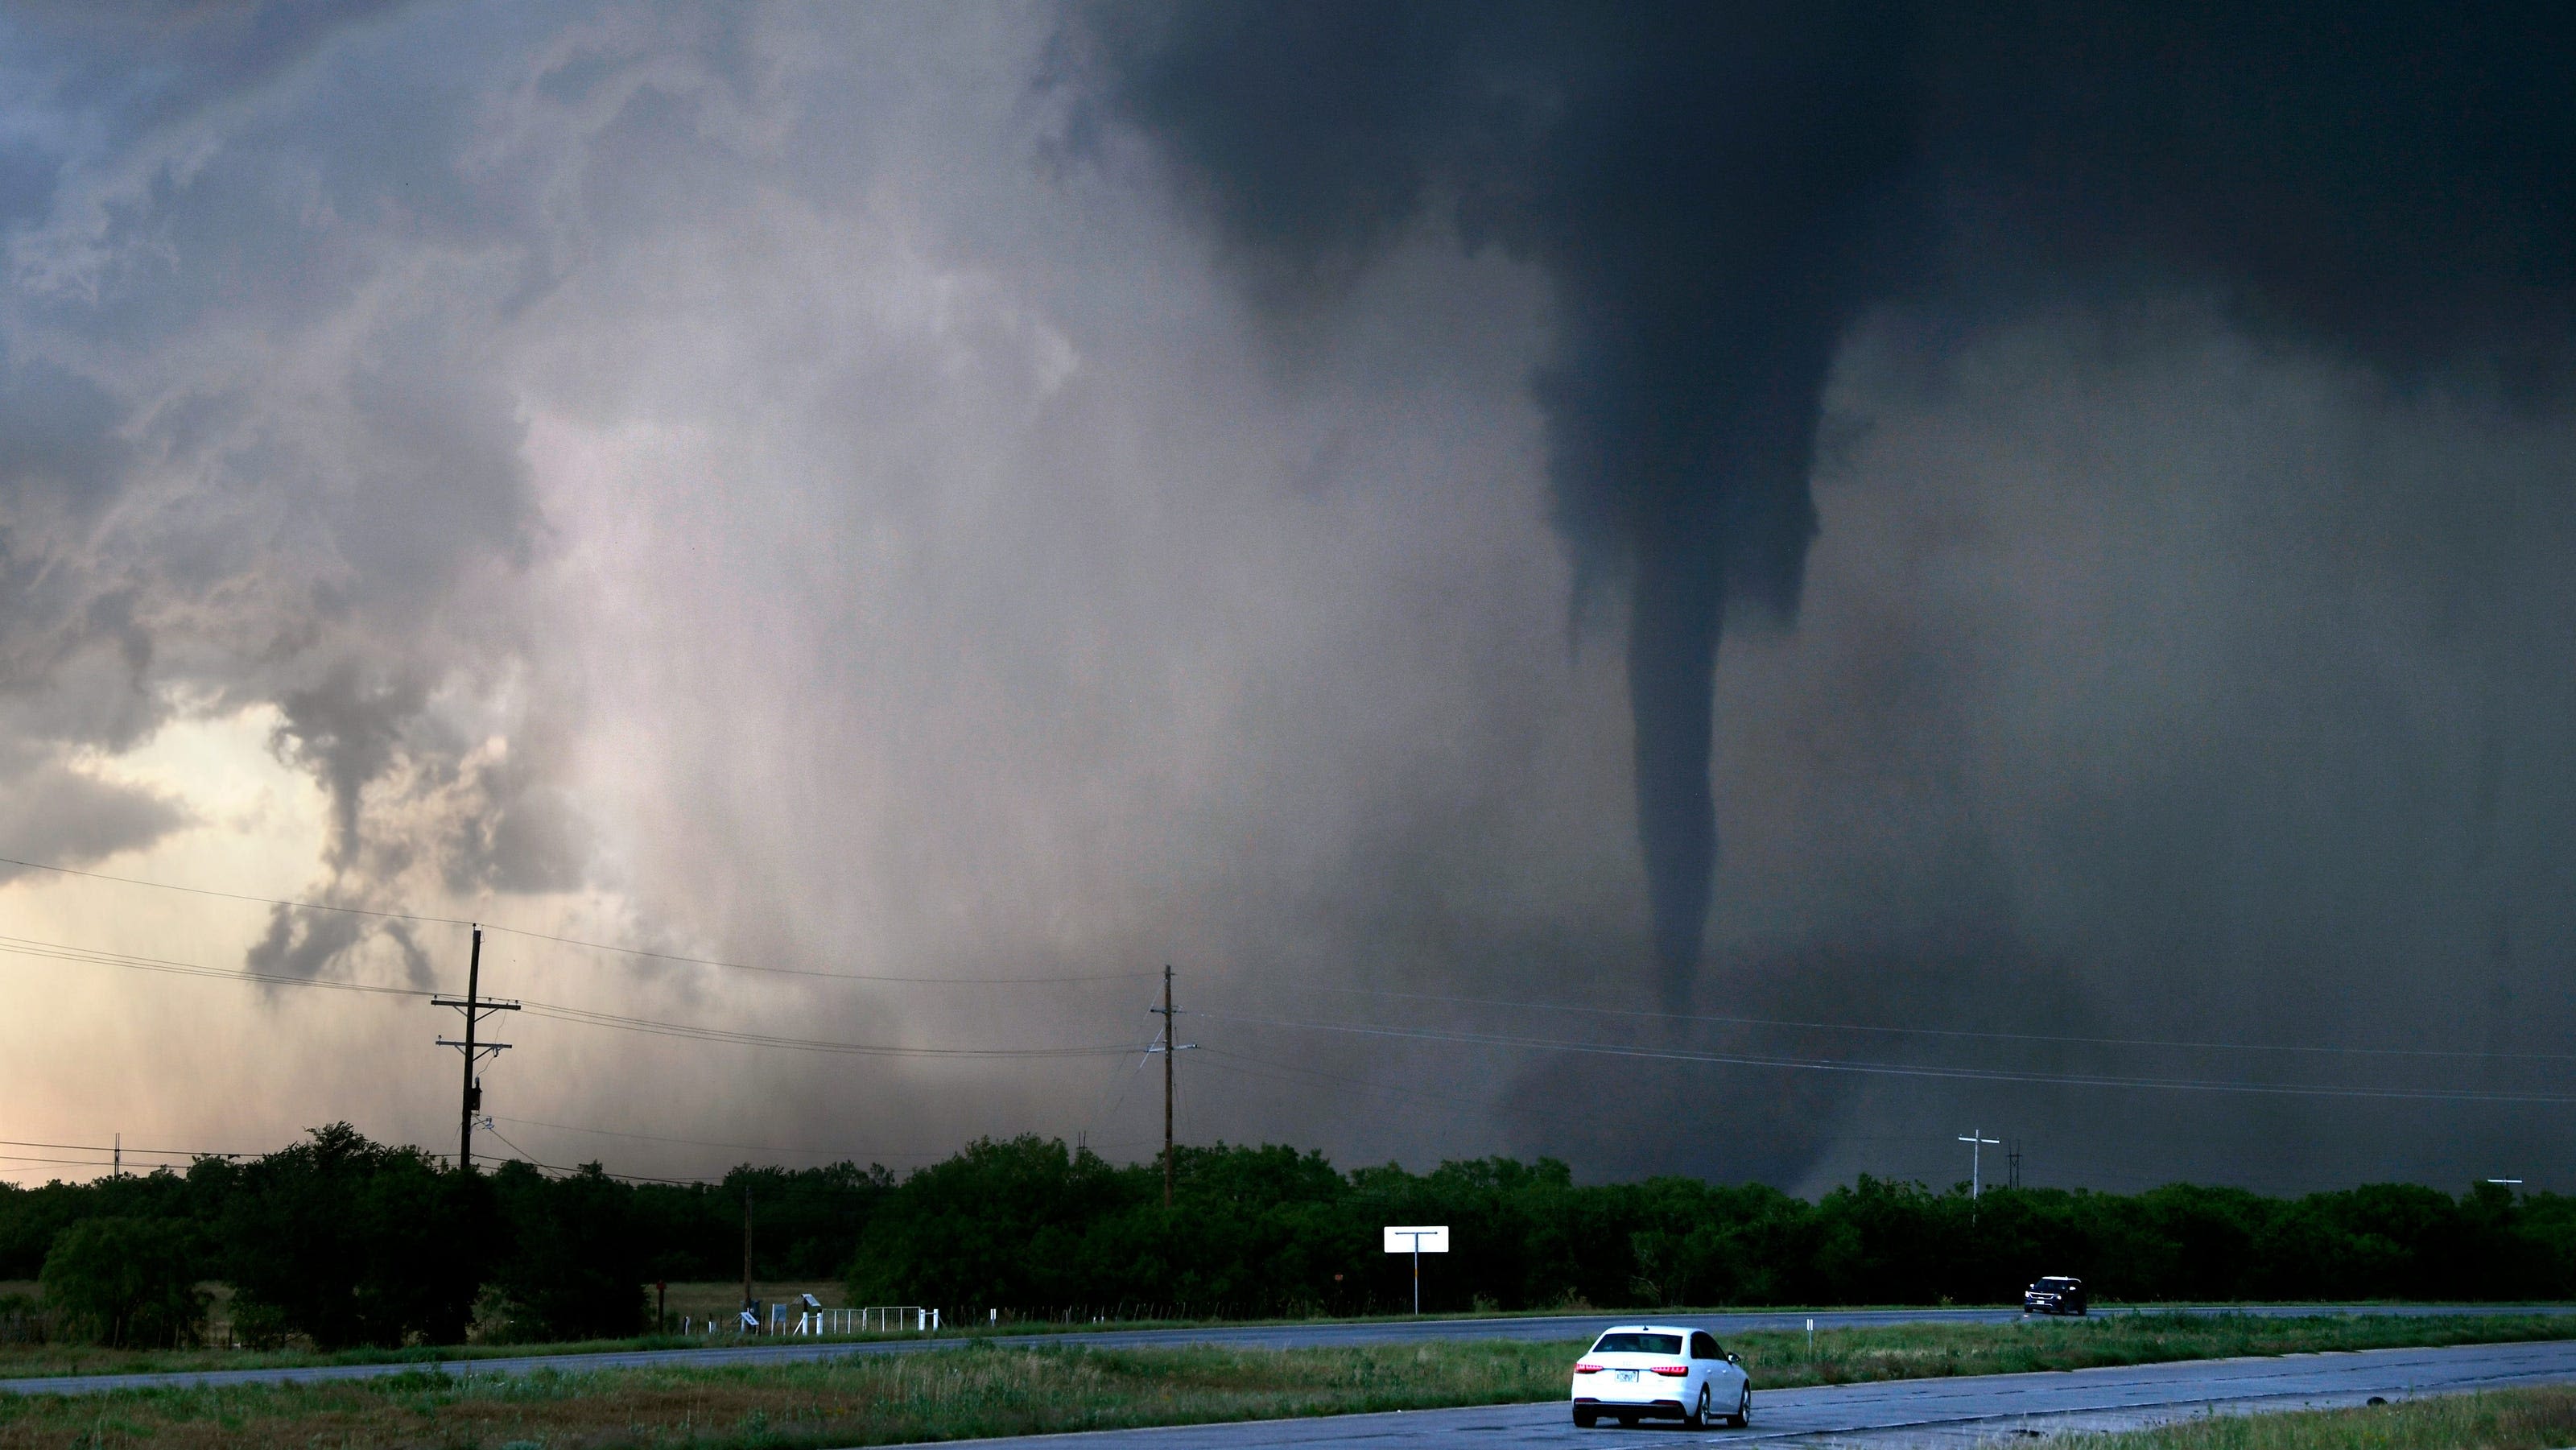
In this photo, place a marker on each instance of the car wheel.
(1627, 1422)
(1744, 1407)
(1697, 1419)
(1586, 1419)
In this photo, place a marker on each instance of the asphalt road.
(1267, 1336)
(1963, 1412)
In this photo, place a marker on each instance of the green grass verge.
(1029, 1386)
(2525, 1419)
(1781, 1360)
(20, 1361)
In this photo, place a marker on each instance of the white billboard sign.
(1423, 1239)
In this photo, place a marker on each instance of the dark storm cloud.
(1718, 193)
(57, 815)
(306, 943)
(252, 448)
(709, 466)
(163, 63)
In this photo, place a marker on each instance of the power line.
(837, 1155)
(24, 947)
(61, 1162)
(833, 976)
(430, 920)
(696, 1033)
(526, 1157)
(104, 1148)
(1937, 1031)
(1230, 1061)
(234, 895)
(557, 1011)
(1888, 1069)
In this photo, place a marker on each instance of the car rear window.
(2058, 1286)
(1616, 1343)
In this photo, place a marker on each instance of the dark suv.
(2054, 1296)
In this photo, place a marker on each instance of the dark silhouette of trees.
(343, 1241)
(128, 1281)
(350, 1242)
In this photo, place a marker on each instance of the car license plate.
(1627, 1376)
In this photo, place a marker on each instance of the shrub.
(127, 1281)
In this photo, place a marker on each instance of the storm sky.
(1000, 498)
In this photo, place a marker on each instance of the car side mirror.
(1731, 1359)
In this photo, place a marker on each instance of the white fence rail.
(870, 1319)
(817, 1320)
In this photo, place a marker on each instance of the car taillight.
(1674, 1370)
(1587, 1369)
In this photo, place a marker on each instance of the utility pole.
(2012, 1164)
(746, 1246)
(119, 1170)
(1170, 1058)
(476, 1007)
(1168, 1046)
(1976, 1148)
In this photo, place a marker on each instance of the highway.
(1943, 1413)
(1264, 1336)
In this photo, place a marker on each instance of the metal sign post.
(1426, 1239)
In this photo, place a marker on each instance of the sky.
(1700, 590)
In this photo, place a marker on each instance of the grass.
(695, 1300)
(2522, 1419)
(698, 1300)
(1780, 1360)
(984, 1390)
(1003, 1387)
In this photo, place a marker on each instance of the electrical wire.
(1053, 980)
(113, 1148)
(24, 947)
(1889, 1069)
(696, 1033)
(430, 920)
(1247, 1065)
(1121, 1084)
(833, 1154)
(530, 1159)
(1939, 1031)
(18, 946)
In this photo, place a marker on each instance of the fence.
(872, 1319)
(817, 1320)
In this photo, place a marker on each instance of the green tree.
(351, 1242)
(576, 1264)
(128, 1281)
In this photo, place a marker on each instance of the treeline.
(341, 1241)
(1273, 1231)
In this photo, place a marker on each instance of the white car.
(1638, 1370)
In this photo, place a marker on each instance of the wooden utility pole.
(469, 1099)
(476, 1007)
(746, 1244)
(1169, 1056)
(1168, 1046)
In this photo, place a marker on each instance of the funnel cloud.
(1716, 193)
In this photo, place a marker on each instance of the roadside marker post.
(1420, 1240)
